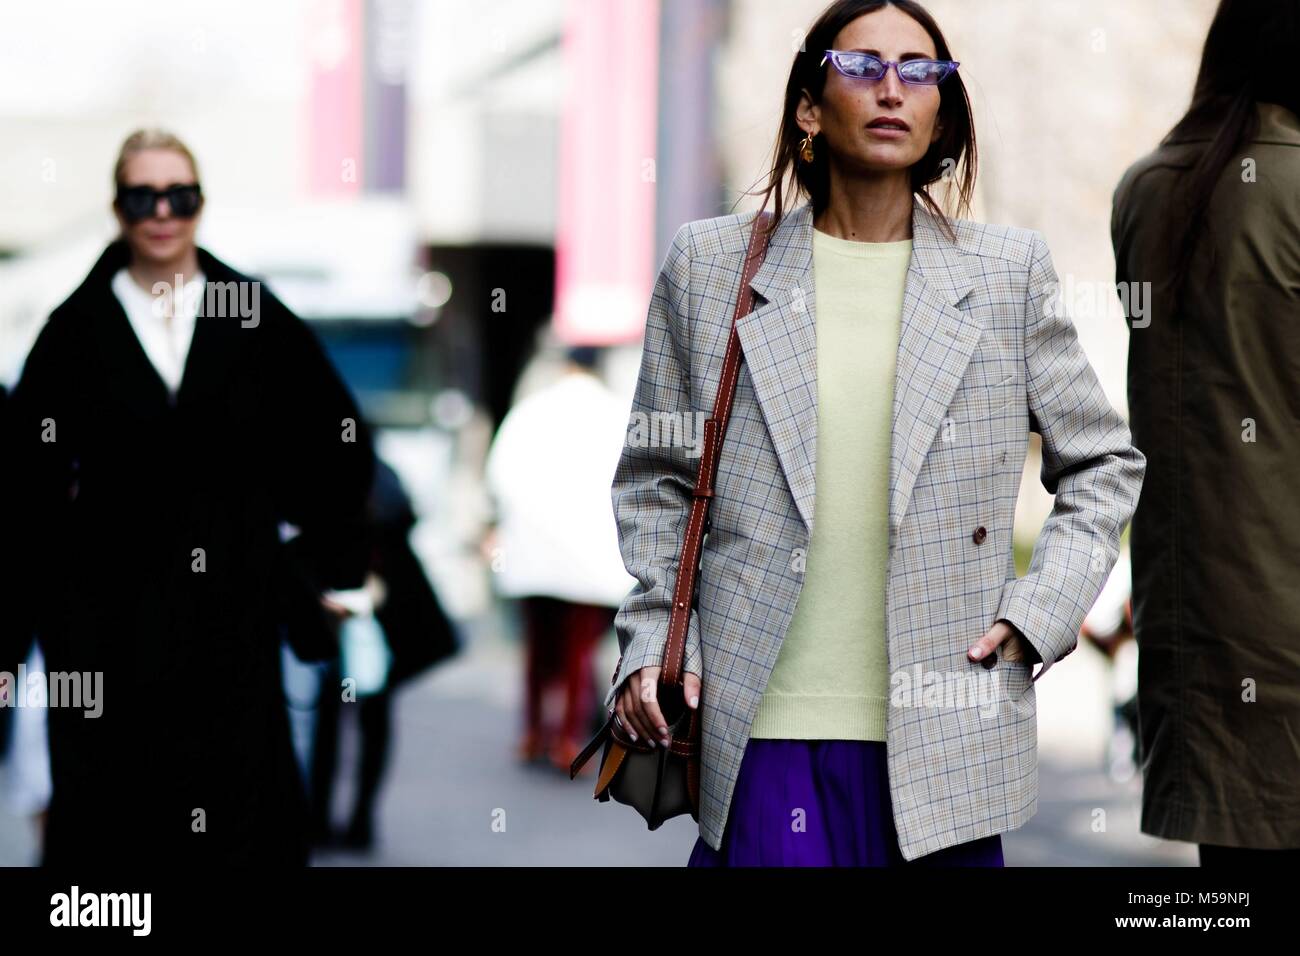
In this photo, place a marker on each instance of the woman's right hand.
(637, 705)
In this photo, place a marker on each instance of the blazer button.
(979, 535)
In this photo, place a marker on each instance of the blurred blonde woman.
(171, 415)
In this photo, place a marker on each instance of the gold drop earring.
(806, 148)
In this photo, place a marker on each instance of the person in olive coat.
(1212, 220)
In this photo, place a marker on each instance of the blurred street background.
(456, 195)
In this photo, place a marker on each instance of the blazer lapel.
(779, 340)
(935, 344)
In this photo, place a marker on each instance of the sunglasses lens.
(141, 202)
(861, 65)
(184, 200)
(928, 72)
(136, 202)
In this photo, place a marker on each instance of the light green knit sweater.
(831, 677)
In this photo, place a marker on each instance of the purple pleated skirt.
(821, 803)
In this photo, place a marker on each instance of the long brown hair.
(1248, 58)
(956, 140)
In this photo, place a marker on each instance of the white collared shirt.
(165, 338)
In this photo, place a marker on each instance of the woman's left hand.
(1003, 635)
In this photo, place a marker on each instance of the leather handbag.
(660, 782)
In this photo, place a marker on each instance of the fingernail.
(664, 731)
(695, 702)
(632, 734)
(977, 652)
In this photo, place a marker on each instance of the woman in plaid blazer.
(875, 114)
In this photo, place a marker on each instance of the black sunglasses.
(141, 202)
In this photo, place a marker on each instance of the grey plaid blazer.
(984, 358)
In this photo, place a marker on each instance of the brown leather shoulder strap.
(715, 429)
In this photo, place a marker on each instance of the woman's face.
(163, 237)
(849, 106)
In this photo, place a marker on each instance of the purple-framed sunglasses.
(864, 66)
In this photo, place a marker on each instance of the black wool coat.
(144, 544)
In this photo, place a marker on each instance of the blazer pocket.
(981, 404)
(1006, 393)
(1014, 680)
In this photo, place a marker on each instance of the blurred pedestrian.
(1211, 220)
(555, 546)
(170, 415)
(417, 634)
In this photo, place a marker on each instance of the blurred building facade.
(495, 168)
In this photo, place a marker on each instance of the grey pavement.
(454, 794)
